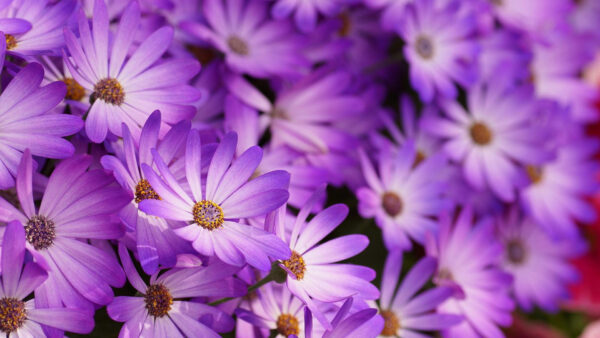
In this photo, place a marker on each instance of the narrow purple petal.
(72, 320)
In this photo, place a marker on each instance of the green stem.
(275, 274)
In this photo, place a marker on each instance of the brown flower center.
(480, 134)
(158, 300)
(515, 251)
(346, 26)
(11, 41)
(424, 47)
(238, 45)
(144, 191)
(534, 173)
(12, 314)
(208, 215)
(75, 91)
(391, 323)
(287, 324)
(296, 265)
(40, 232)
(392, 203)
(110, 91)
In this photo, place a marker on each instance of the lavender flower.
(402, 197)
(127, 91)
(468, 261)
(539, 265)
(314, 273)
(46, 21)
(26, 123)
(212, 211)
(302, 117)
(306, 11)
(240, 29)
(555, 197)
(491, 139)
(20, 318)
(406, 313)
(438, 48)
(77, 204)
(275, 308)
(155, 240)
(161, 313)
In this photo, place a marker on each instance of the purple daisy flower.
(211, 211)
(275, 308)
(305, 178)
(46, 21)
(391, 11)
(439, 48)
(404, 196)
(26, 123)
(468, 261)
(156, 242)
(77, 97)
(126, 91)
(303, 115)
(22, 318)
(539, 265)
(556, 72)
(306, 11)
(161, 313)
(314, 273)
(404, 312)
(491, 139)
(555, 199)
(244, 33)
(348, 322)
(533, 16)
(77, 204)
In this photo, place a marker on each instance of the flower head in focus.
(127, 90)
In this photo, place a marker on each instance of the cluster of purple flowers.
(168, 160)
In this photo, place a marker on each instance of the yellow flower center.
(75, 91)
(12, 314)
(287, 325)
(11, 41)
(296, 265)
(158, 300)
(208, 215)
(391, 323)
(144, 191)
(110, 91)
(480, 133)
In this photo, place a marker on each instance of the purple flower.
(22, 318)
(162, 313)
(77, 97)
(468, 261)
(533, 16)
(77, 204)
(26, 123)
(304, 177)
(303, 115)
(127, 91)
(439, 48)
(46, 22)
(306, 11)
(555, 70)
(391, 11)
(539, 265)
(242, 30)
(275, 308)
(555, 197)
(404, 195)
(155, 240)
(213, 209)
(404, 312)
(493, 137)
(348, 322)
(314, 273)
